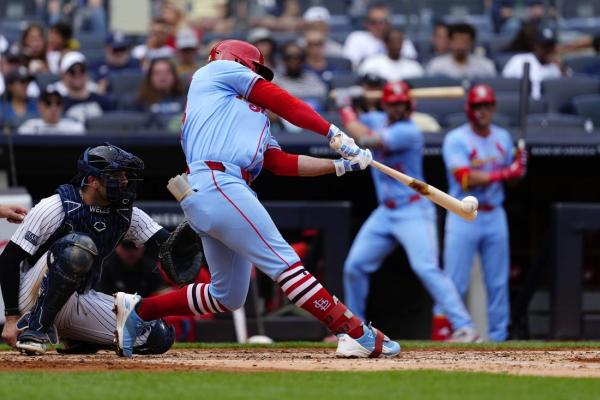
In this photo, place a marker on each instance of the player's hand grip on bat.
(343, 144)
(516, 170)
(357, 163)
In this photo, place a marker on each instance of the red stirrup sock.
(307, 293)
(194, 299)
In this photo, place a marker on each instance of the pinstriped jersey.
(219, 123)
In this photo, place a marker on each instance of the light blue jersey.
(464, 148)
(403, 151)
(220, 124)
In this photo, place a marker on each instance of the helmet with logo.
(107, 162)
(243, 53)
(397, 92)
(479, 94)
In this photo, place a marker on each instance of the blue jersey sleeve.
(233, 76)
(454, 152)
(401, 136)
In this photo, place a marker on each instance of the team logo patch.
(32, 238)
(99, 226)
(322, 304)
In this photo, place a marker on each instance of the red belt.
(391, 204)
(218, 166)
(486, 207)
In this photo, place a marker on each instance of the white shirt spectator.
(537, 71)
(38, 126)
(475, 67)
(390, 70)
(362, 44)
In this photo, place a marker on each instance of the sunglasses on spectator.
(79, 69)
(377, 21)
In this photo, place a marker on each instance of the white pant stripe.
(308, 295)
(300, 288)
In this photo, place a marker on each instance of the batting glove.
(357, 163)
(344, 144)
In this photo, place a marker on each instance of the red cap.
(396, 92)
(243, 53)
(481, 94)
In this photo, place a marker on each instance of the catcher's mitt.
(182, 255)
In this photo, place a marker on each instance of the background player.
(13, 214)
(61, 245)
(403, 217)
(479, 157)
(226, 140)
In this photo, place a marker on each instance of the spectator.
(524, 39)
(128, 269)
(263, 40)
(391, 66)
(505, 13)
(461, 63)
(50, 106)
(156, 44)
(187, 51)
(17, 104)
(298, 81)
(80, 94)
(33, 47)
(317, 18)
(276, 15)
(11, 60)
(362, 44)
(315, 55)
(60, 41)
(90, 16)
(174, 16)
(116, 59)
(543, 61)
(161, 92)
(208, 15)
(440, 39)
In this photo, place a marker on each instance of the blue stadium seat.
(500, 59)
(432, 81)
(115, 121)
(580, 8)
(588, 107)
(90, 41)
(559, 93)
(343, 79)
(501, 85)
(125, 82)
(580, 64)
(455, 8)
(44, 79)
(555, 120)
(508, 104)
(440, 109)
(340, 63)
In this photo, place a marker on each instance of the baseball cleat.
(372, 344)
(32, 342)
(129, 324)
(465, 334)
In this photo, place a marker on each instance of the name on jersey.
(32, 238)
(100, 210)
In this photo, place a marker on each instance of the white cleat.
(129, 324)
(465, 334)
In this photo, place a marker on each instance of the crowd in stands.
(65, 72)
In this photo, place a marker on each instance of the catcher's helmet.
(243, 53)
(102, 162)
(479, 94)
(397, 92)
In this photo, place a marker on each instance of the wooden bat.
(442, 92)
(440, 198)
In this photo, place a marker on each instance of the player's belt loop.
(219, 166)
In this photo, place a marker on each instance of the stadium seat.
(90, 41)
(555, 120)
(343, 79)
(340, 63)
(457, 119)
(580, 8)
(559, 93)
(588, 107)
(115, 121)
(501, 85)
(125, 82)
(440, 109)
(508, 104)
(580, 64)
(44, 79)
(432, 81)
(500, 59)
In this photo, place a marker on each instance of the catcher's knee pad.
(70, 260)
(159, 340)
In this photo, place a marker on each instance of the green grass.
(289, 386)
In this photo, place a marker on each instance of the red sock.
(194, 299)
(307, 293)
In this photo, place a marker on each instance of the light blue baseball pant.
(488, 235)
(413, 226)
(236, 232)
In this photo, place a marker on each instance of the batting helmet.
(397, 92)
(479, 94)
(102, 161)
(243, 53)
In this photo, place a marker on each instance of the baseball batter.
(479, 157)
(403, 217)
(226, 140)
(54, 259)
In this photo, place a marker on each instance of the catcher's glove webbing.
(181, 255)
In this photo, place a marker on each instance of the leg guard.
(70, 260)
(339, 319)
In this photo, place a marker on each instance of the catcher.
(53, 261)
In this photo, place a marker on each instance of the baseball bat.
(524, 93)
(442, 92)
(440, 198)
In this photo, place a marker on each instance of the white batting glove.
(343, 144)
(357, 163)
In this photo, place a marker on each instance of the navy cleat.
(129, 324)
(372, 344)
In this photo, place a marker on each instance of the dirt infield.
(567, 363)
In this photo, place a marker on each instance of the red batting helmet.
(243, 53)
(396, 92)
(479, 94)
